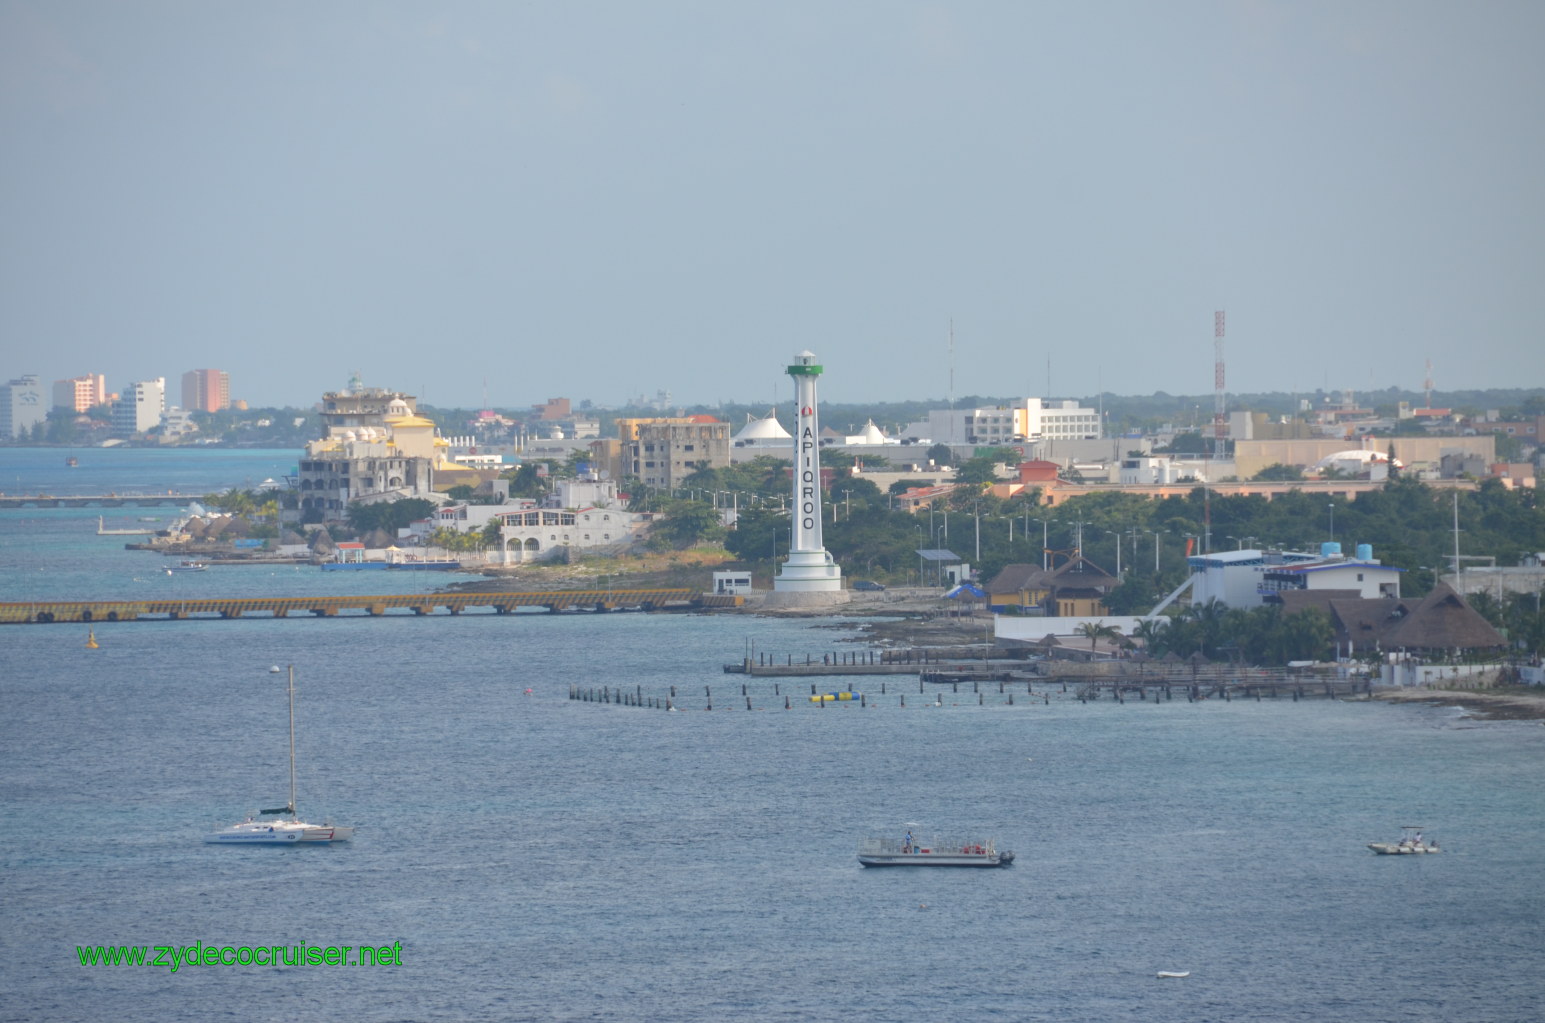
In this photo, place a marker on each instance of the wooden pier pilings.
(1000, 692)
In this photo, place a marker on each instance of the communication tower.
(1219, 415)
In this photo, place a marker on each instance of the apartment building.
(80, 393)
(21, 407)
(139, 408)
(664, 452)
(206, 390)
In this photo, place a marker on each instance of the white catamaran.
(280, 826)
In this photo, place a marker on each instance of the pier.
(97, 500)
(45, 612)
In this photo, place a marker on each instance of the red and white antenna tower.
(1219, 416)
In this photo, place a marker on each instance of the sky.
(504, 202)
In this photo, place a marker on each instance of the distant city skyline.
(613, 199)
(55, 385)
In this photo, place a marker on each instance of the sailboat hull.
(278, 833)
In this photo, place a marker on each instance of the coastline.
(1504, 705)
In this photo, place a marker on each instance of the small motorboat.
(188, 566)
(1176, 974)
(1411, 844)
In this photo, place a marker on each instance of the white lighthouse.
(809, 576)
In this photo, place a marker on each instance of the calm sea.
(541, 859)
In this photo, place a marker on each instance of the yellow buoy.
(91, 640)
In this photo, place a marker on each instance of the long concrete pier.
(97, 500)
(44, 612)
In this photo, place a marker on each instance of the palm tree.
(1151, 631)
(1096, 631)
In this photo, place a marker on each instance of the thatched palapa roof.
(1443, 621)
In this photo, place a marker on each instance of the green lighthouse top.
(805, 365)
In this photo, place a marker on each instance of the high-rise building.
(139, 407)
(80, 393)
(21, 407)
(206, 390)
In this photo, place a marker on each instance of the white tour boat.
(1411, 844)
(939, 852)
(280, 826)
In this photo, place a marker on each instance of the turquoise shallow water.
(546, 859)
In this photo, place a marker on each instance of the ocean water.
(546, 859)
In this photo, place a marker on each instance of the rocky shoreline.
(1513, 704)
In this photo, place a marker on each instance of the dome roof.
(768, 429)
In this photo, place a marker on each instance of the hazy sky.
(607, 199)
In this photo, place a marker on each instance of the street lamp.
(1045, 542)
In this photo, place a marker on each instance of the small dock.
(46, 612)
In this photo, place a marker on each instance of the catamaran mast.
(292, 744)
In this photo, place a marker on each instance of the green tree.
(390, 516)
(525, 482)
(977, 472)
(760, 534)
(1277, 472)
(686, 524)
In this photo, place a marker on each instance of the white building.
(1148, 471)
(176, 423)
(1036, 420)
(139, 407)
(1061, 420)
(1247, 578)
(530, 534)
(21, 407)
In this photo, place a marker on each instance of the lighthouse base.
(808, 579)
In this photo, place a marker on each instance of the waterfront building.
(1248, 578)
(206, 390)
(177, 423)
(358, 460)
(21, 407)
(80, 393)
(139, 408)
